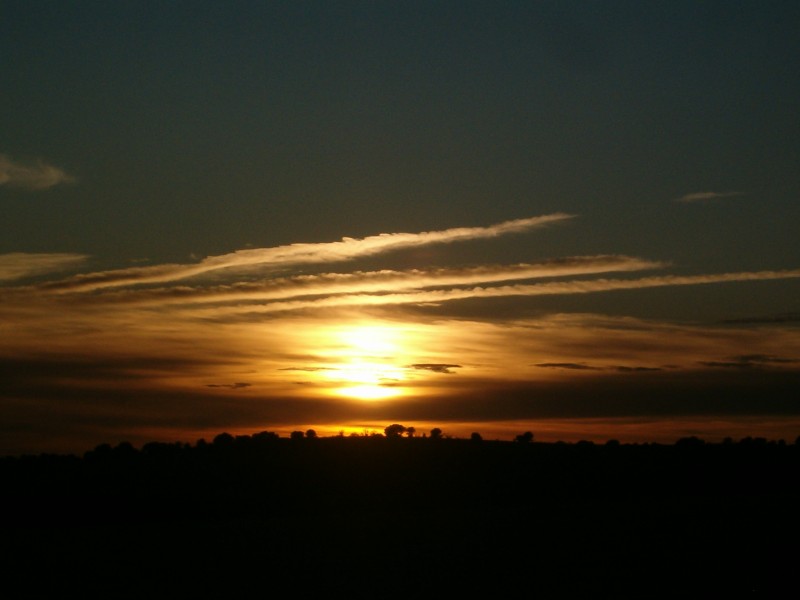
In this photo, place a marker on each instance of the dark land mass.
(391, 516)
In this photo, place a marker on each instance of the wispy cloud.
(231, 386)
(587, 286)
(570, 366)
(19, 265)
(435, 367)
(33, 176)
(793, 317)
(747, 361)
(706, 196)
(585, 367)
(365, 281)
(271, 259)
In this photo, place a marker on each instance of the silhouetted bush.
(524, 438)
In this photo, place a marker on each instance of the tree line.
(428, 509)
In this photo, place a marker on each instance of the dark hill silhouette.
(395, 515)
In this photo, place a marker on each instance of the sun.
(370, 380)
(365, 366)
(362, 360)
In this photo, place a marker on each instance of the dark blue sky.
(198, 127)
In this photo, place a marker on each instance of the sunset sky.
(575, 218)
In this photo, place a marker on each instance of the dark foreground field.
(264, 516)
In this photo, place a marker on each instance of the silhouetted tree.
(476, 437)
(410, 431)
(691, 441)
(524, 438)
(103, 449)
(265, 436)
(159, 450)
(394, 430)
(224, 439)
(436, 433)
(296, 435)
(124, 448)
(311, 434)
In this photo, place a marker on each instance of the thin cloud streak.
(298, 254)
(377, 281)
(540, 289)
(31, 177)
(19, 265)
(704, 196)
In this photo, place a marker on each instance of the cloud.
(270, 259)
(764, 358)
(371, 281)
(435, 367)
(738, 364)
(573, 366)
(782, 318)
(19, 265)
(585, 367)
(586, 286)
(32, 177)
(705, 196)
(232, 386)
(747, 361)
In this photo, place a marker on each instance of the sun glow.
(368, 369)
(366, 360)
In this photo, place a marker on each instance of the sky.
(578, 219)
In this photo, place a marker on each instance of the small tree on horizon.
(394, 430)
(223, 439)
(524, 438)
